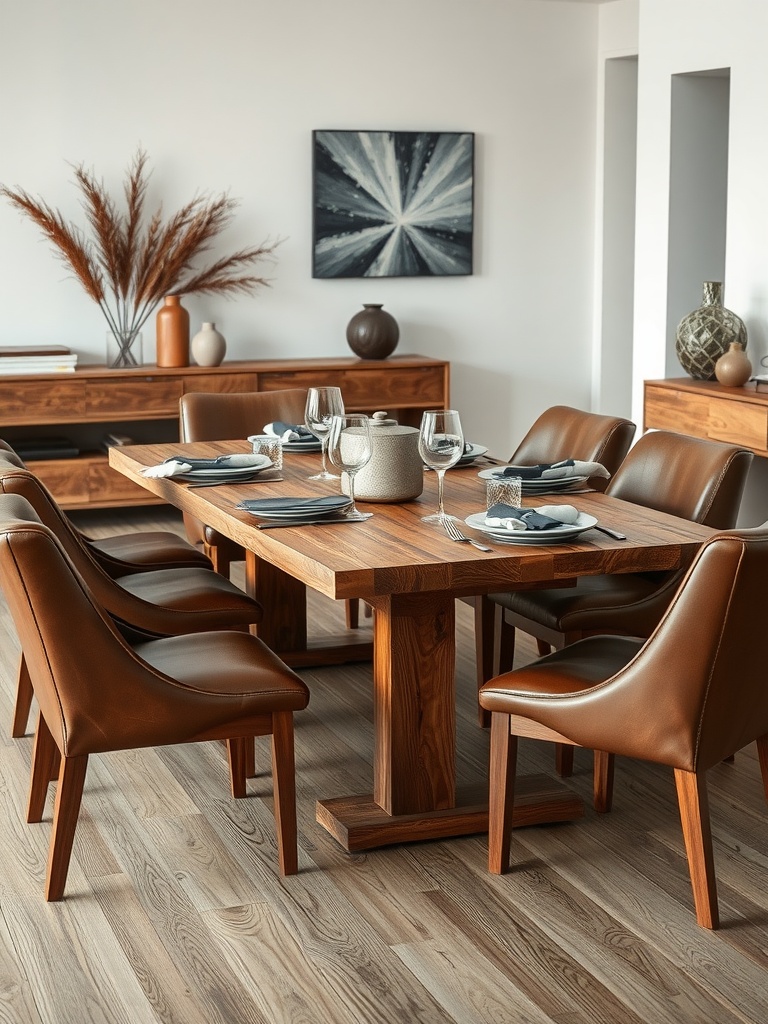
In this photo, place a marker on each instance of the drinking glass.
(441, 445)
(322, 405)
(349, 448)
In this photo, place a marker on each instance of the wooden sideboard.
(144, 404)
(709, 410)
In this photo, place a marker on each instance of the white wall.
(679, 37)
(225, 96)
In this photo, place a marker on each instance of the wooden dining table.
(410, 574)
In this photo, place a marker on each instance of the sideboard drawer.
(738, 423)
(393, 386)
(144, 398)
(221, 383)
(31, 401)
(67, 479)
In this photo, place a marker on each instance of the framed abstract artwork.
(392, 204)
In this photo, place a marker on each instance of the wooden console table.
(707, 409)
(144, 404)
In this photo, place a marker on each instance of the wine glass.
(441, 445)
(322, 405)
(349, 448)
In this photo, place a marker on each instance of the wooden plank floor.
(174, 911)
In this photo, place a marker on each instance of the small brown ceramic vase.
(373, 333)
(172, 333)
(733, 369)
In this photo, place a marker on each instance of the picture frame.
(392, 203)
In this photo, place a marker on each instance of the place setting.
(348, 446)
(221, 469)
(548, 478)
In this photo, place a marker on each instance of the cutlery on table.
(258, 479)
(312, 522)
(455, 534)
(611, 533)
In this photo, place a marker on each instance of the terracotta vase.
(705, 334)
(734, 368)
(208, 346)
(172, 333)
(373, 333)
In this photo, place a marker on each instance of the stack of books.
(36, 359)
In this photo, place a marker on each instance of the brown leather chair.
(134, 552)
(99, 693)
(702, 481)
(224, 417)
(690, 696)
(559, 433)
(163, 602)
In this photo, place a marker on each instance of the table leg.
(414, 759)
(284, 626)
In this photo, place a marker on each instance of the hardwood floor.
(174, 911)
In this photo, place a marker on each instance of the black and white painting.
(392, 204)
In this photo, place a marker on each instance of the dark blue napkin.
(533, 520)
(305, 434)
(327, 503)
(533, 472)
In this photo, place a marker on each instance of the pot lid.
(382, 424)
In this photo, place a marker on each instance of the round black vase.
(373, 333)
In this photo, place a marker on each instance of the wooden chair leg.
(24, 694)
(219, 558)
(284, 785)
(543, 647)
(352, 608)
(485, 638)
(45, 758)
(603, 781)
(762, 753)
(501, 797)
(506, 645)
(564, 759)
(237, 752)
(694, 815)
(250, 760)
(69, 793)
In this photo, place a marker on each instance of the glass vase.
(123, 349)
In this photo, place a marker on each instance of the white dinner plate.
(306, 508)
(260, 462)
(476, 450)
(302, 446)
(547, 486)
(558, 534)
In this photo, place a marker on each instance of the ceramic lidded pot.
(395, 472)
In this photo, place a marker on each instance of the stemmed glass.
(441, 445)
(349, 448)
(322, 405)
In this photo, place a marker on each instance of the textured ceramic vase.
(208, 346)
(172, 333)
(373, 333)
(395, 471)
(706, 334)
(734, 368)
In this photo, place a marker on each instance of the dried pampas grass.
(127, 263)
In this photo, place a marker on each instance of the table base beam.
(358, 823)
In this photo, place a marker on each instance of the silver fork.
(455, 534)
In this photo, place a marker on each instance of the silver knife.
(312, 522)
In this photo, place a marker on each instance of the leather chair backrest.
(565, 433)
(70, 644)
(224, 417)
(702, 481)
(697, 688)
(207, 416)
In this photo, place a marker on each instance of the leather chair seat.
(192, 592)
(148, 550)
(222, 679)
(604, 603)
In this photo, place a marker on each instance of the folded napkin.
(289, 431)
(555, 470)
(546, 517)
(177, 465)
(326, 503)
